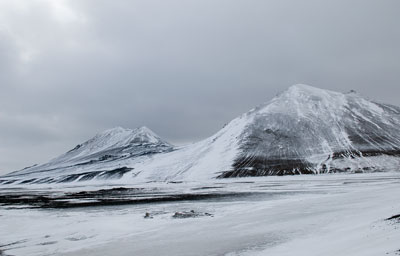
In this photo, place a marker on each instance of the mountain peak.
(127, 134)
(145, 129)
(120, 135)
(303, 89)
(112, 141)
(303, 99)
(144, 134)
(113, 131)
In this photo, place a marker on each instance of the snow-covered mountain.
(304, 130)
(98, 157)
(309, 130)
(113, 144)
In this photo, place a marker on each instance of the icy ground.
(342, 214)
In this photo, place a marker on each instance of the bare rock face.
(304, 130)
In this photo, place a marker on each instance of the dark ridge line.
(85, 176)
(394, 217)
(254, 166)
(61, 202)
(365, 153)
(260, 166)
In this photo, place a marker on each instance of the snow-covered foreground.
(303, 215)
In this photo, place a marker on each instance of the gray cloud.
(69, 69)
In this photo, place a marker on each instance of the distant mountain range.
(304, 130)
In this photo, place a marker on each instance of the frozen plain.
(332, 214)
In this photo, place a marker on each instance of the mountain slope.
(309, 130)
(304, 130)
(115, 143)
(100, 157)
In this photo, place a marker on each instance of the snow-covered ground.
(341, 214)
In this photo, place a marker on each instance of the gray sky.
(69, 69)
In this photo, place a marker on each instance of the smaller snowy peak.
(115, 130)
(144, 134)
(106, 148)
(109, 137)
(117, 138)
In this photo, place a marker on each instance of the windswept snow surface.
(304, 130)
(338, 214)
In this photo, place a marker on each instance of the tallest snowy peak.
(302, 99)
(302, 89)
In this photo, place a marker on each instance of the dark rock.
(190, 214)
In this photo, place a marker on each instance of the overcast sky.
(70, 69)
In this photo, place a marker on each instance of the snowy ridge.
(304, 130)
